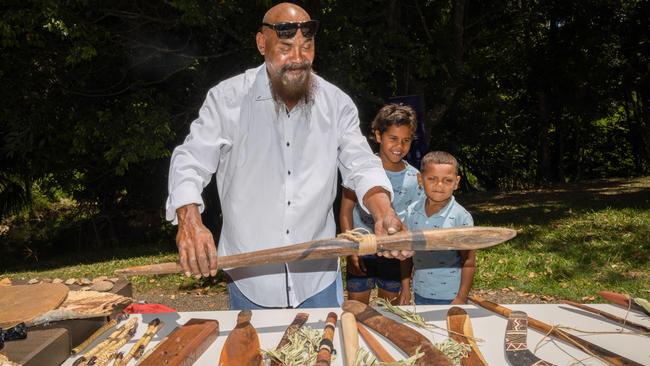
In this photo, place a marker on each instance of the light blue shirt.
(405, 191)
(437, 273)
(276, 174)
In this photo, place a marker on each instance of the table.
(271, 324)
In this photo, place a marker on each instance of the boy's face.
(439, 181)
(395, 143)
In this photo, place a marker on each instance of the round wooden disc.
(23, 303)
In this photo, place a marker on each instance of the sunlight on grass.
(573, 257)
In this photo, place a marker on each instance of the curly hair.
(394, 115)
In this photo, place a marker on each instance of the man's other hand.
(196, 249)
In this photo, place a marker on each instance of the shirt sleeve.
(360, 169)
(195, 161)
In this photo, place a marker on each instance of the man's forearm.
(377, 200)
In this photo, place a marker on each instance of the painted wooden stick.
(611, 317)
(588, 347)
(460, 330)
(458, 238)
(404, 337)
(623, 300)
(350, 337)
(374, 345)
(298, 322)
(326, 345)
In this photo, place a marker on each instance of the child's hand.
(405, 297)
(355, 266)
(459, 301)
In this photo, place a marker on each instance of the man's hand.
(196, 249)
(377, 200)
(356, 266)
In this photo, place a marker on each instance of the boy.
(440, 277)
(393, 129)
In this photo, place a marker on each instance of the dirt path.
(208, 301)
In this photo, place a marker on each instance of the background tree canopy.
(524, 92)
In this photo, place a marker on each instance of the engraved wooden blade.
(603, 354)
(298, 322)
(459, 238)
(404, 337)
(458, 322)
(242, 347)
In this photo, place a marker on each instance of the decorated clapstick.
(326, 346)
(458, 238)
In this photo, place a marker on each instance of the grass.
(573, 240)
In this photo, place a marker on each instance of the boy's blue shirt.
(437, 273)
(405, 192)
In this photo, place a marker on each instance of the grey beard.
(284, 90)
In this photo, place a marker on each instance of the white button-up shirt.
(276, 175)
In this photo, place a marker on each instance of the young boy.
(440, 277)
(393, 129)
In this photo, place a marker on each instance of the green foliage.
(524, 93)
(572, 241)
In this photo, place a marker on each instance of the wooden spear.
(606, 356)
(459, 238)
(612, 317)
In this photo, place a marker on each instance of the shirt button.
(287, 231)
(289, 172)
(288, 144)
(289, 203)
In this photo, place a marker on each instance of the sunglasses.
(289, 30)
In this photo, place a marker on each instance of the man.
(275, 136)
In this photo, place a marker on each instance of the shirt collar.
(442, 213)
(262, 88)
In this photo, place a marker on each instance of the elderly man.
(275, 136)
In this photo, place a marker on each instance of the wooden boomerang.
(458, 238)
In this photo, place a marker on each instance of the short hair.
(439, 157)
(394, 115)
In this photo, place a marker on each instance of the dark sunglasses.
(289, 30)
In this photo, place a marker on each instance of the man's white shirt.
(276, 174)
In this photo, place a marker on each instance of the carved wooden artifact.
(599, 352)
(460, 330)
(242, 347)
(407, 339)
(185, 344)
(458, 238)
